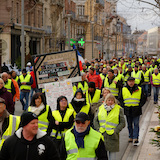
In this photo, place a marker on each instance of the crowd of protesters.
(89, 125)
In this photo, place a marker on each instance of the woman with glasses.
(63, 118)
(43, 111)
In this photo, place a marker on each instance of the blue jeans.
(155, 92)
(145, 89)
(133, 132)
(111, 155)
(26, 96)
(33, 90)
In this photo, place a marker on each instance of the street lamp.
(92, 23)
(69, 30)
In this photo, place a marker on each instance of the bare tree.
(154, 3)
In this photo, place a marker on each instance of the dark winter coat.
(18, 148)
(7, 96)
(132, 111)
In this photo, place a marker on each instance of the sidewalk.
(148, 151)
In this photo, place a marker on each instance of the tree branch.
(155, 5)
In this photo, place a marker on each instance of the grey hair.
(155, 69)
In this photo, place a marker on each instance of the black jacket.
(18, 148)
(132, 111)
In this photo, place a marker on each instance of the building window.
(29, 18)
(80, 10)
(17, 13)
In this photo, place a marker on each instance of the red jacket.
(34, 80)
(96, 79)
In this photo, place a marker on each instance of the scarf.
(79, 100)
(2, 118)
(37, 110)
(108, 108)
(79, 137)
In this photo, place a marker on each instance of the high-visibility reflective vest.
(8, 85)
(120, 77)
(83, 88)
(112, 87)
(42, 119)
(95, 98)
(91, 142)
(26, 79)
(57, 116)
(146, 76)
(123, 67)
(16, 79)
(84, 109)
(102, 76)
(156, 79)
(108, 122)
(131, 99)
(137, 76)
(152, 68)
(12, 127)
(141, 60)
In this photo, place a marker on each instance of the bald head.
(5, 76)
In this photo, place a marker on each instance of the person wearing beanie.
(8, 122)
(83, 142)
(25, 81)
(29, 142)
(63, 119)
(79, 104)
(93, 76)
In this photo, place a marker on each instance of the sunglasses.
(79, 122)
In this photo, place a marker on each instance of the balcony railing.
(82, 18)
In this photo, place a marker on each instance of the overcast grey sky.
(137, 15)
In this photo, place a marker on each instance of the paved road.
(127, 151)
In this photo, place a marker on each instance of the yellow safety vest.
(131, 99)
(146, 76)
(137, 76)
(102, 76)
(108, 122)
(95, 98)
(123, 67)
(12, 127)
(152, 69)
(91, 142)
(16, 79)
(26, 79)
(8, 85)
(156, 79)
(57, 116)
(112, 86)
(83, 88)
(42, 119)
(120, 77)
(84, 109)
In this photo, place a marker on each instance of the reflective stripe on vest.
(26, 79)
(137, 76)
(108, 122)
(131, 100)
(42, 119)
(95, 98)
(57, 116)
(83, 88)
(112, 86)
(146, 76)
(8, 85)
(84, 109)
(156, 79)
(12, 127)
(91, 142)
